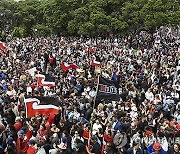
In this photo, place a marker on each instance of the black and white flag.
(108, 90)
(45, 80)
(41, 105)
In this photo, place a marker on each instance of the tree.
(19, 32)
(87, 17)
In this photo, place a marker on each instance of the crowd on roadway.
(145, 120)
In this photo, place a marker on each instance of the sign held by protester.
(108, 90)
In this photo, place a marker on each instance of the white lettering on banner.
(109, 89)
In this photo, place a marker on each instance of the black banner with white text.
(108, 90)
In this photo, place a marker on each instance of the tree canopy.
(86, 17)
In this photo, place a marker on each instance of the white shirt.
(149, 96)
(133, 115)
(164, 143)
(96, 128)
(41, 151)
(92, 93)
(177, 116)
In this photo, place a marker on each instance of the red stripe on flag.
(33, 108)
(94, 62)
(65, 66)
(116, 71)
(2, 46)
(41, 81)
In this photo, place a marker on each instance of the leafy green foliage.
(19, 32)
(86, 17)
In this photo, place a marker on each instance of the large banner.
(108, 90)
(41, 105)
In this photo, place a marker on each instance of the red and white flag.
(45, 80)
(117, 70)
(94, 62)
(65, 66)
(3, 48)
(40, 105)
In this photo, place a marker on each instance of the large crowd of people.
(145, 120)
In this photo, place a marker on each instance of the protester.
(145, 118)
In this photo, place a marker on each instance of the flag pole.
(96, 93)
(94, 100)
